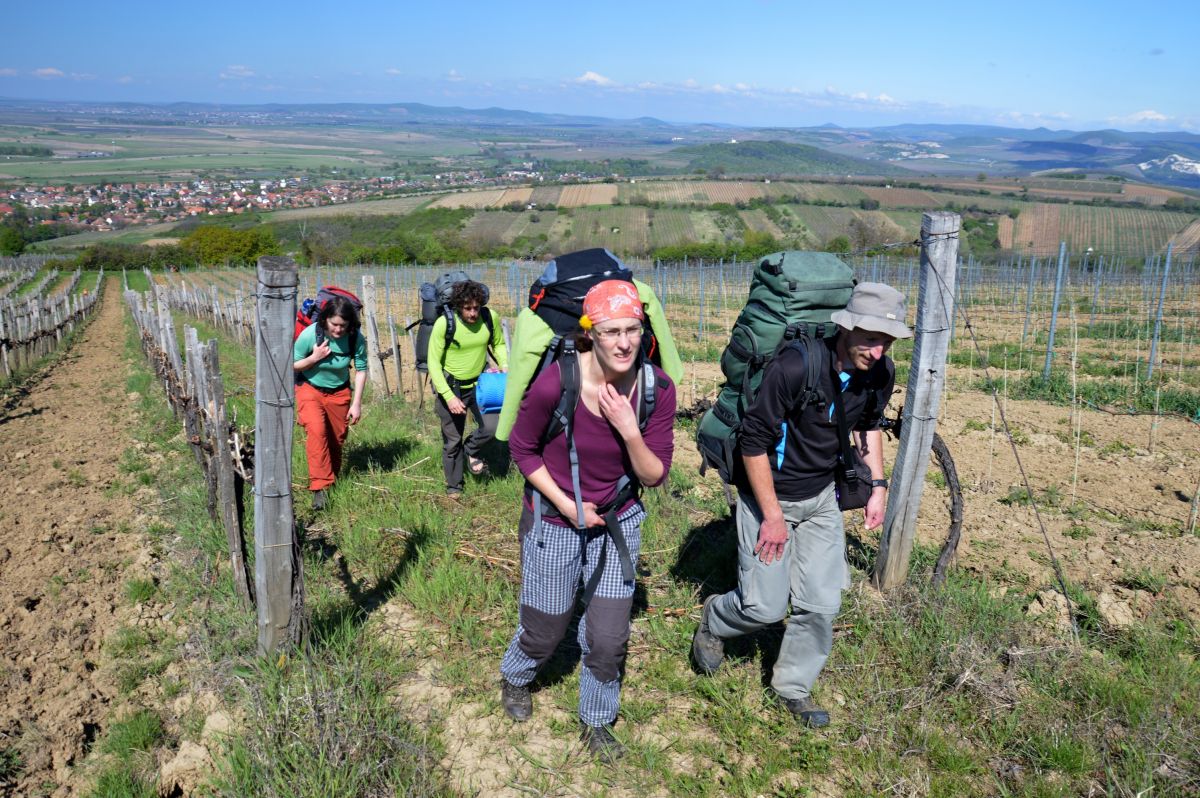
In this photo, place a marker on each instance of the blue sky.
(1074, 65)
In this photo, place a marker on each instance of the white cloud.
(1148, 116)
(48, 73)
(237, 72)
(392, 71)
(1150, 120)
(82, 76)
(595, 79)
(8, 72)
(126, 79)
(1032, 118)
(717, 88)
(454, 77)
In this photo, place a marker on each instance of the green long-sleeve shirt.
(467, 355)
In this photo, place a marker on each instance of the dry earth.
(1125, 491)
(65, 552)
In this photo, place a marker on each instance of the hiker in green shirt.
(453, 372)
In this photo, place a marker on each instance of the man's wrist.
(879, 483)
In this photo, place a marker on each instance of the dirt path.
(64, 552)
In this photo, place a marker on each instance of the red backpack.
(306, 314)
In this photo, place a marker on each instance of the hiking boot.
(517, 702)
(804, 710)
(319, 499)
(708, 650)
(601, 743)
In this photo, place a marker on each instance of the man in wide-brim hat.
(791, 544)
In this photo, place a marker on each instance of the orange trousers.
(323, 416)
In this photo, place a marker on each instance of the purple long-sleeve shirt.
(603, 459)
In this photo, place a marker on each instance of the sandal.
(477, 466)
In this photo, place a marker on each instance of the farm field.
(1110, 230)
(579, 196)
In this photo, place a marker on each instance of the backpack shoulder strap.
(450, 317)
(563, 418)
(648, 389)
(564, 412)
(485, 313)
(816, 362)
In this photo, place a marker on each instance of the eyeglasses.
(612, 335)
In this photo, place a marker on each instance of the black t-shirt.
(803, 446)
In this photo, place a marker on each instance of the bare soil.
(65, 550)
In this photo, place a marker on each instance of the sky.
(1061, 64)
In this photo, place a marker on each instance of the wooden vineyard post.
(229, 484)
(374, 361)
(193, 414)
(1062, 256)
(278, 574)
(396, 361)
(926, 381)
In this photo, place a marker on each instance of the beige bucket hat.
(877, 307)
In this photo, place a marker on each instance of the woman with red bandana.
(581, 519)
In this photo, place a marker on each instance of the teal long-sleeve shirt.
(333, 371)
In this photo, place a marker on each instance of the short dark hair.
(467, 291)
(339, 306)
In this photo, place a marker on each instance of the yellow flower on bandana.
(585, 322)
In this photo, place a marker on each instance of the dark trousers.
(453, 426)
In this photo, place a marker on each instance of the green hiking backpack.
(793, 294)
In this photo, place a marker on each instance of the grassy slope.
(943, 692)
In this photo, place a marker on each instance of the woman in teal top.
(453, 372)
(325, 405)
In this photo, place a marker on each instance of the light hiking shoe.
(601, 744)
(803, 709)
(517, 702)
(319, 499)
(708, 650)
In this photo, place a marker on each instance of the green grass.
(138, 591)
(944, 692)
(127, 749)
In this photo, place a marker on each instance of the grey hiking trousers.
(805, 586)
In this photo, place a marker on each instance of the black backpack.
(435, 303)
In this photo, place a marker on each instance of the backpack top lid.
(557, 296)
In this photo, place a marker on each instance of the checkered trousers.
(554, 566)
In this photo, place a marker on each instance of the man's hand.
(772, 535)
(456, 405)
(354, 413)
(873, 512)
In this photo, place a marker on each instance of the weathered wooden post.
(371, 333)
(278, 577)
(391, 324)
(229, 487)
(926, 381)
(1062, 257)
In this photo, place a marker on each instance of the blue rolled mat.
(489, 391)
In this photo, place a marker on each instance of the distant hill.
(777, 158)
